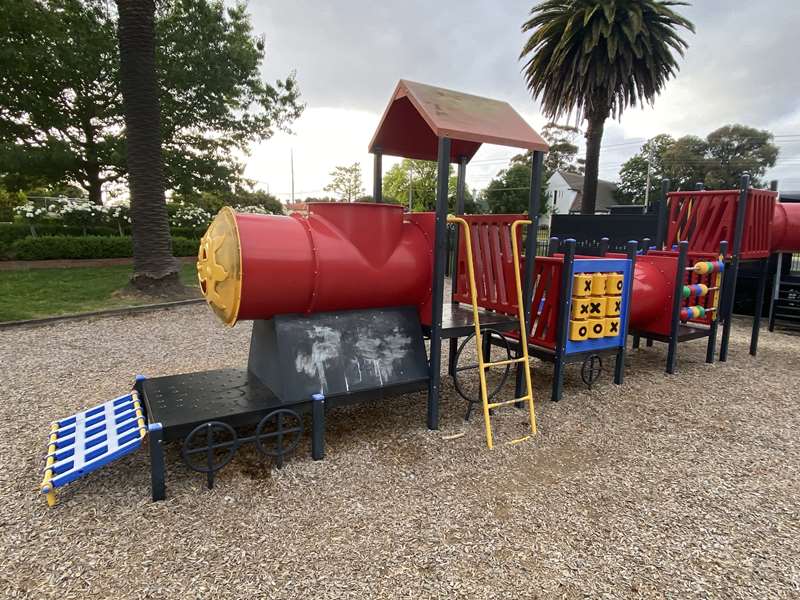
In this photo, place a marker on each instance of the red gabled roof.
(418, 114)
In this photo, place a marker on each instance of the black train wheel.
(474, 366)
(591, 369)
(278, 434)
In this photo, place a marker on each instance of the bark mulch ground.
(670, 486)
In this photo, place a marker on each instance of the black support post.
(645, 250)
(677, 297)
(562, 328)
(619, 365)
(439, 260)
(663, 215)
(760, 293)
(534, 203)
(317, 426)
(603, 246)
(730, 276)
(377, 177)
(156, 440)
(553, 246)
(711, 348)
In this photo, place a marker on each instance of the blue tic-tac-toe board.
(93, 438)
(602, 265)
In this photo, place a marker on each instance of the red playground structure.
(348, 303)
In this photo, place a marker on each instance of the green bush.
(11, 232)
(182, 246)
(89, 246)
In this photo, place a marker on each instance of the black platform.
(458, 321)
(685, 333)
(182, 402)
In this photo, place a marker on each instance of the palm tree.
(597, 57)
(155, 270)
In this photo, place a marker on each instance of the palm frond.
(601, 55)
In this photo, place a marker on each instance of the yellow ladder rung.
(501, 363)
(507, 402)
(518, 440)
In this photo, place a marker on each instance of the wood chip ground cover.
(681, 486)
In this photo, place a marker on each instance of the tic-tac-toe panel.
(598, 306)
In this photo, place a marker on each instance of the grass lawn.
(37, 293)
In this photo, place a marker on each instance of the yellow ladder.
(482, 365)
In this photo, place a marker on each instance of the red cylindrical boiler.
(342, 256)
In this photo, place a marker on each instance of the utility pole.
(291, 162)
(647, 185)
(410, 185)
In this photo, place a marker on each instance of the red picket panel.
(705, 218)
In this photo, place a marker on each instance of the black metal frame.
(157, 435)
(732, 273)
(377, 176)
(438, 330)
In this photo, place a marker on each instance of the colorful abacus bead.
(692, 312)
(695, 289)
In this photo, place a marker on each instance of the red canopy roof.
(418, 114)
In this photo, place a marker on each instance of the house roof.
(418, 114)
(605, 191)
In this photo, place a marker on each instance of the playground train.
(360, 256)
(343, 300)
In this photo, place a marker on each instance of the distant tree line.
(717, 162)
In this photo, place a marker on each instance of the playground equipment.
(343, 300)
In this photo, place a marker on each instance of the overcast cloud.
(741, 66)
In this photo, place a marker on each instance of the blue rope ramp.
(91, 439)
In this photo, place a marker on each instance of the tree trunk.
(594, 137)
(95, 186)
(155, 270)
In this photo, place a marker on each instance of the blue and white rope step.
(89, 440)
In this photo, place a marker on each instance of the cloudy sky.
(741, 66)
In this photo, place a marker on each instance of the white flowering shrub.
(32, 214)
(252, 210)
(119, 214)
(187, 215)
(82, 213)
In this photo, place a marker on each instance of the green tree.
(683, 162)
(563, 153)
(633, 173)
(509, 191)
(420, 176)
(346, 182)
(155, 270)
(61, 115)
(735, 149)
(717, 162)
(597, 57)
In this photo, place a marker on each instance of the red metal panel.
(494, 276)
(343, 256)
(547, 275)
(705, 218)
(757, 242)
(493, 260)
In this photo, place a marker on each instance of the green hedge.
(13, 232)
(89, 246)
